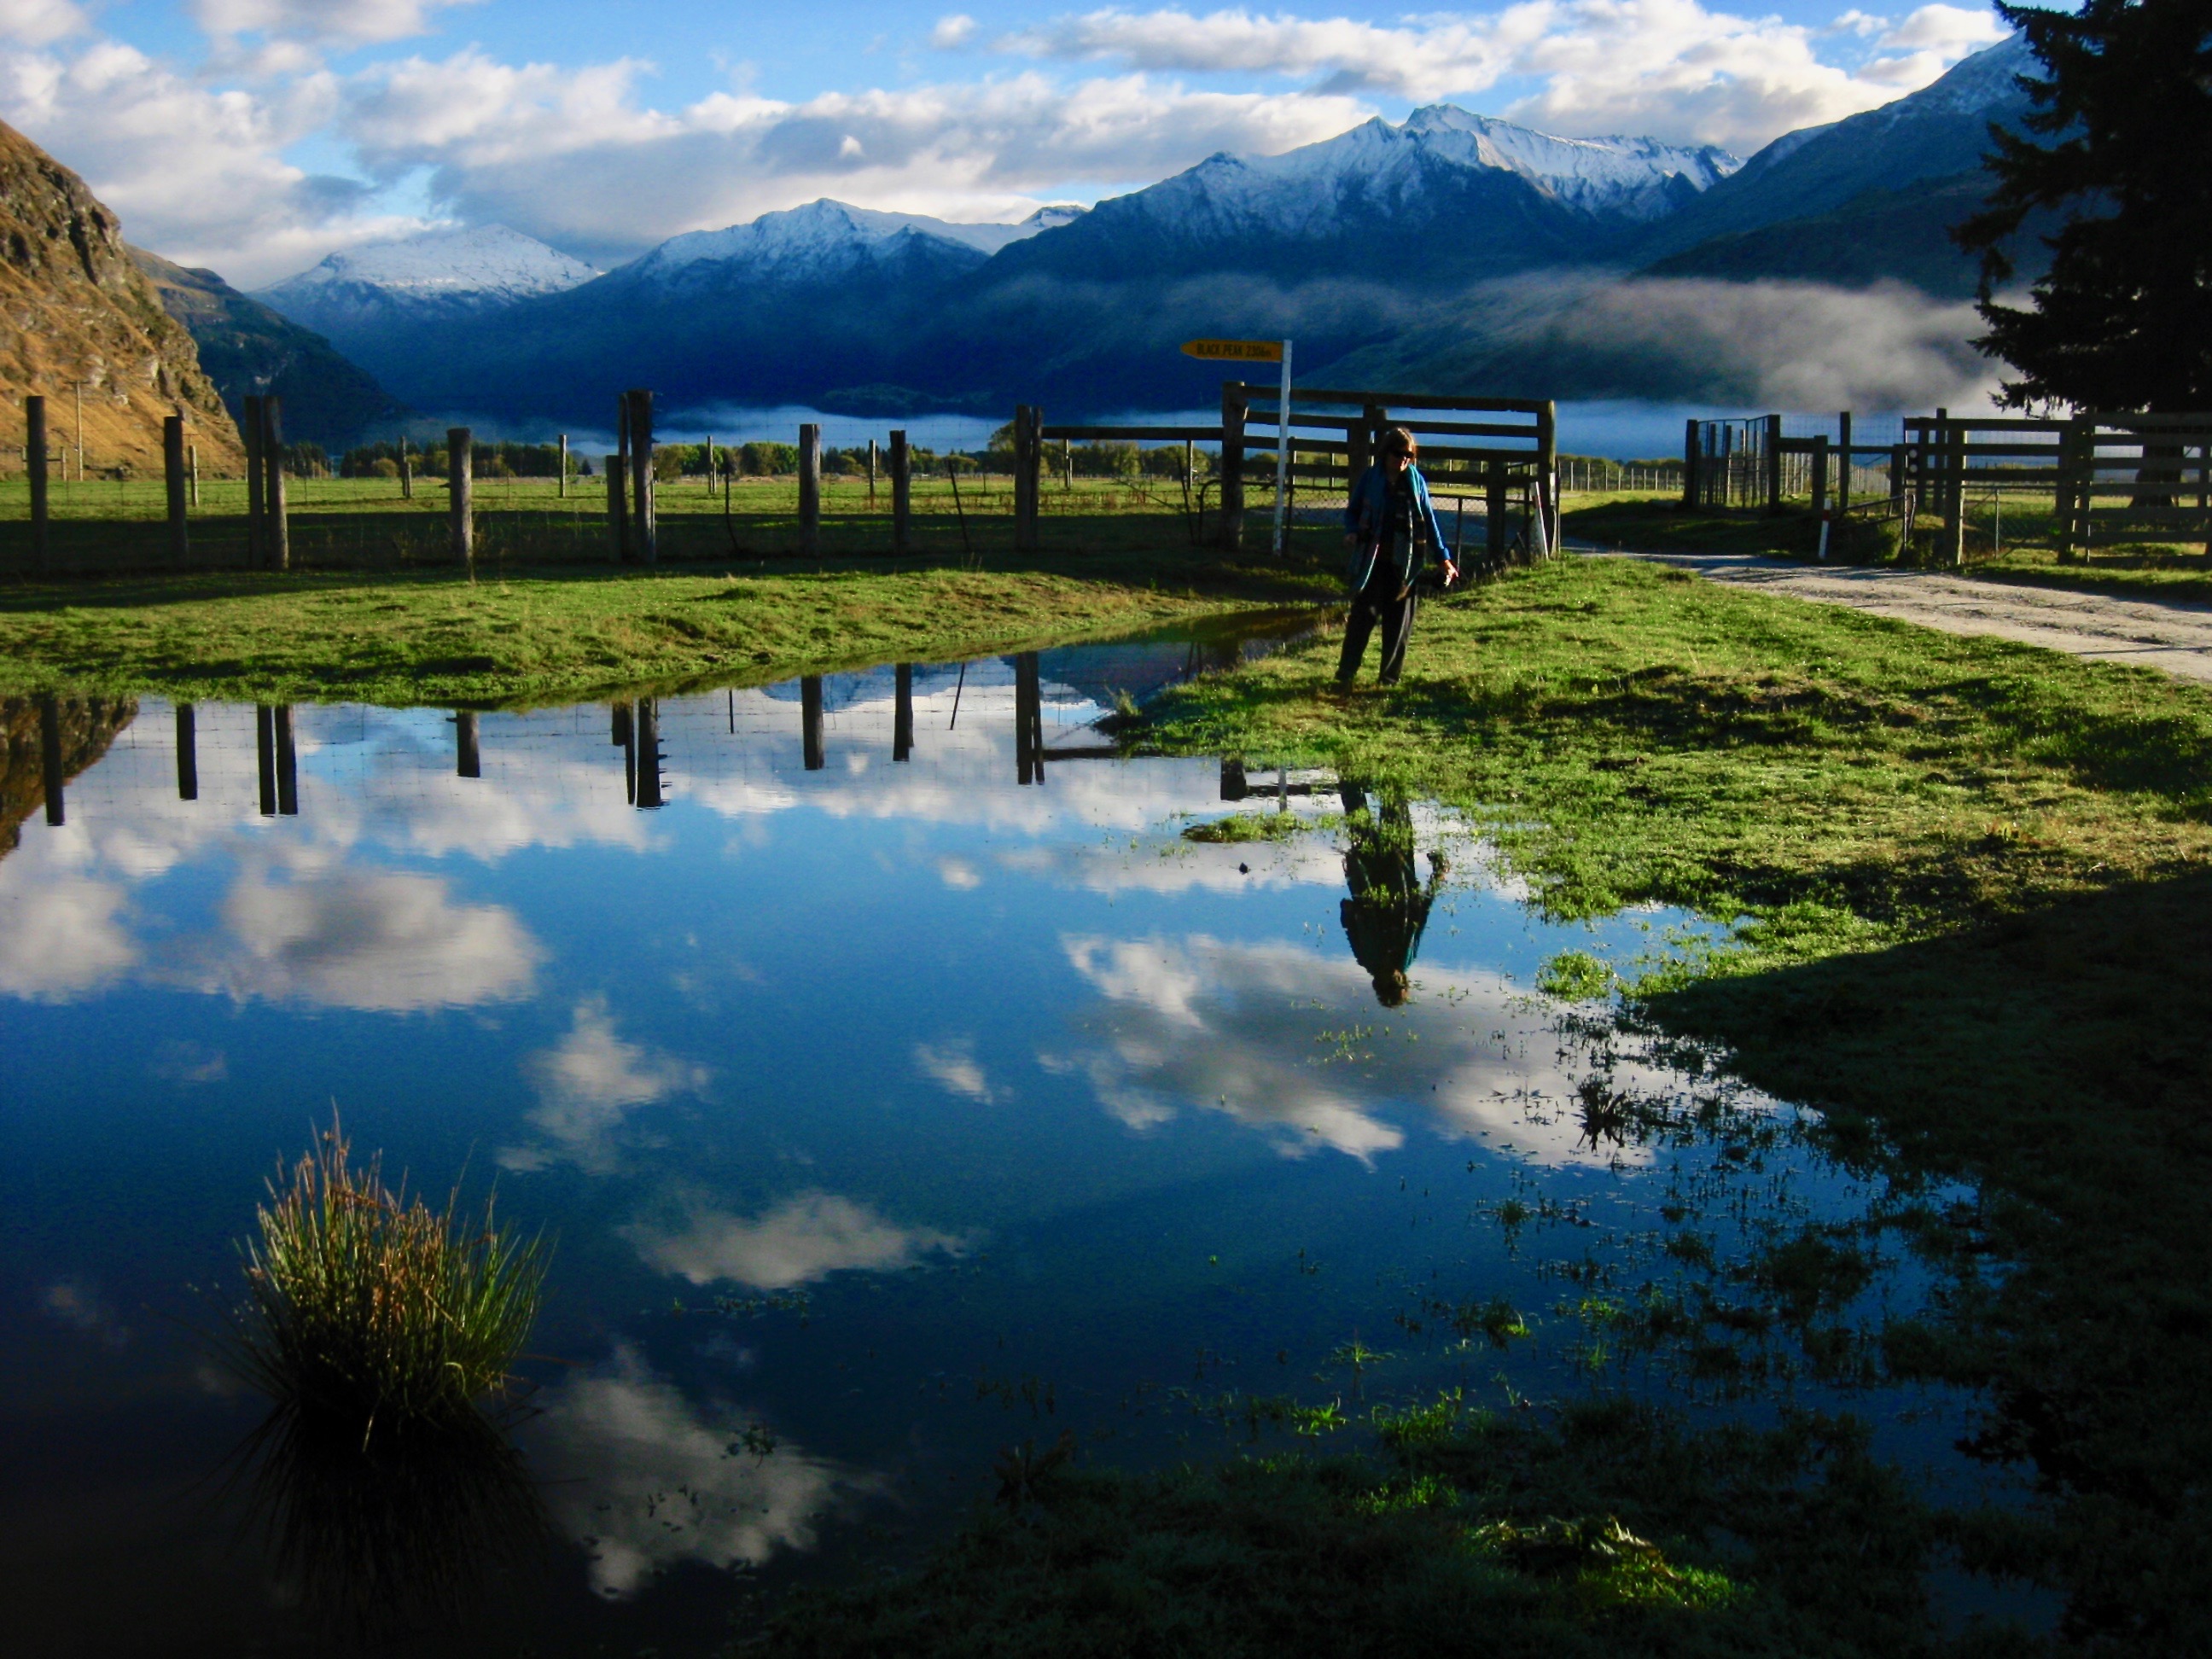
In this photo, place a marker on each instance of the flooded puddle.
(898, 1081)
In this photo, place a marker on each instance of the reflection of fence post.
(250, 431)
(1690, 462)
(648, 755)
(188, 752)
(288, 763)
(1028, 720)
(1232, 466)
(902, 712)
(264, 756)
(810, 721)
(34, 457)
(50, 758)
(902, 494)
(460, 494)
(468, 762)
(809, 488)
(645, 521)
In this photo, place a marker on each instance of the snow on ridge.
(486, 261)
(824, 233)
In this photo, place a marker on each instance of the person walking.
(1385, 522)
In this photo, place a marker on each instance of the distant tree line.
(486, 460)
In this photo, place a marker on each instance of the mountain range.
(1437, 230)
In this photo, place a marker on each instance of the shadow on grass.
(2060, 1063)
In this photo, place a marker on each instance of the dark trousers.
(1377, 602)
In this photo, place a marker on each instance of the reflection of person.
(1389, 905)
(1387, 517)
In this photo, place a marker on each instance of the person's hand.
(1451, 573)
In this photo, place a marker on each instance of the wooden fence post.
(34, 455)
(461, 495)
(1843, 475)
(1029, 457)
(809, 722)
(1954, 492)
(645, 522)
(1548, 471)
(616, 485)
(1690, 462)
(1773, 464)
(172, 469)
(278, 523)
(902, 494)
(188, 752)
(872, 474)
(1494, 511)
(564, 466)
(406, 473)
(250, 431)
(1232, 466)
(192, 472)
(1820, 476)
(810, 487)
(468, 761)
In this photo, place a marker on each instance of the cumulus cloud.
(1670, 69)
(630, 176)
(1289, 1040)
(381, 941)
(352, 22)
(40, 22)
(588, 1085)
(646, 1480)
(60, 937)
(953, 1067)
(807, 1236)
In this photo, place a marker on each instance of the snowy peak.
(1641, 178)
(476, 266)
(1973, 86)
(828, 238)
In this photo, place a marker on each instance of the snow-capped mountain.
(830, 240)
(1441, 195)
(439, 272)
(1940, 131)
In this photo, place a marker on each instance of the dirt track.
(2177, 638)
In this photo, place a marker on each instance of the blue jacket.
(1367, 516)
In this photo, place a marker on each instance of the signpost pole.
(1283, 463)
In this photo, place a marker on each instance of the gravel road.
(2177, 638)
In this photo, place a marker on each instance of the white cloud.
(646, 1481)
(40, 22)
(350, 22)
(60, 936)
(1668, 68)
(807, 1236)
(953, 1065)
(588, 1085)
(387, 941)
(955, 30)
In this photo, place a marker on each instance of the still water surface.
(899, 1083)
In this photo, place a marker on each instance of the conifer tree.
(2119, 148)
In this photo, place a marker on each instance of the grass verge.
(558, 636)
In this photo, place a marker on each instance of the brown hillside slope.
(74, 307)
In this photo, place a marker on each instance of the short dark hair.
(1398, 441)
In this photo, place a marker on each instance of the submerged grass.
(365, 1307)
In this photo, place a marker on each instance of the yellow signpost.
(1242, 352)
(1262, 352)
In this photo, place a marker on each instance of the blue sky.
(255, 135)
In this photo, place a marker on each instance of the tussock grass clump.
(365, 1306)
